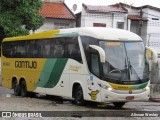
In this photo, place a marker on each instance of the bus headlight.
(110, 89)
(107, 87)
(147, 88)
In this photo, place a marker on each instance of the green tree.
(18, 17)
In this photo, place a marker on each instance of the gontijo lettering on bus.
(26, 64)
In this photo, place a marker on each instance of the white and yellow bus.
(87, 64)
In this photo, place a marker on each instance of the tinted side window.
(86, 41)
(20, 49)
(44, 47)
(59, 48)
(32, 49)
(9, 49)
(14, 49)
(95, 68)
(72, 49)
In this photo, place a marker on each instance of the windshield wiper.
(129, 64)
(130, 67)
(126, 70)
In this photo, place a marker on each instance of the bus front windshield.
(125, 61)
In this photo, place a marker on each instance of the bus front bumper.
(111, 96)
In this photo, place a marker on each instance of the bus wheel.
(16, 88)
(119, 104)
(79, 100)
(31, 94)
(23, 89)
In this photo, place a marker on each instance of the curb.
(154, 99)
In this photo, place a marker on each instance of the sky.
(136, 3)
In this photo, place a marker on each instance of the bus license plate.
(129, 97)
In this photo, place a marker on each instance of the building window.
(120, 25)
(99, 25)
(61, 25)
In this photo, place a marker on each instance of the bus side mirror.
(101, 52)
(152, 57)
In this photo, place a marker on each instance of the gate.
(155, 82)
(154, 63)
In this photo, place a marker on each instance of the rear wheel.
(23, 89)
(31, 94)
(119, 104)
(16, 88)
(79, 100)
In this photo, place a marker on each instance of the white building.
(144, 20)
(57, 15)
(102, 16)
(147, 19)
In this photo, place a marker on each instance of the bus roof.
(96, 32)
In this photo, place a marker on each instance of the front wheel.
(79, 100)
(119, 104)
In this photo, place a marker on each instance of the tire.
(119, 104)
(31, 94)
(16, 88)
(23, 89)
(78, 96)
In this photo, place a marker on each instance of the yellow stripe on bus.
(121, 87)
(46, 34)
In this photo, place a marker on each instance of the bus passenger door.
(93, 87)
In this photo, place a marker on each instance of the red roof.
(56, 10)
(138, 8)
(136, 17)
(91, 8)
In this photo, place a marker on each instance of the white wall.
(153, 25)
(83, 14)
(49, 24)
(91, 18)
(120, 17)
(132, 11)
(153, 29)
(110, 19)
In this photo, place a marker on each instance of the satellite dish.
(74, 7)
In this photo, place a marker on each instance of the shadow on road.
(89, 104)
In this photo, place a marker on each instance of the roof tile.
(104, 8)
(136, 17)
(56, 10)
